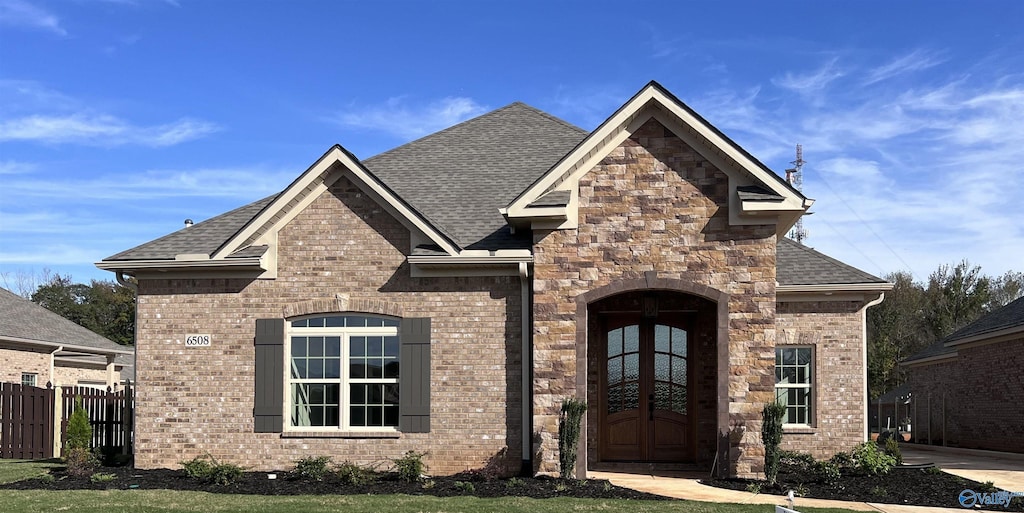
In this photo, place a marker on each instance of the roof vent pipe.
(188, 223)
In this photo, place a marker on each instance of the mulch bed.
(257, 483)
(902, 485)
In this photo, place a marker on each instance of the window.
(793, 380)
(343, 372)
(28, 379)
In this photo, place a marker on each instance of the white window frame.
(32, 377)
(808, 386)
(345, 381)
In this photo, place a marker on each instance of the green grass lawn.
(140, 501)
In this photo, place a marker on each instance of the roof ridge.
(439, 132)
(552, 117)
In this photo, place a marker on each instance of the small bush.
(465, 486)
(410, 467)
(355, 474)
(79, 432)
(801, 490)
(827, 471)
(892, 448)
(771, 436)
(209, 469)
(933, 471)
(513, 482)
(102, 477)
(80, 461)
(871, 460)
(312, 467)
(801, 460)
(842, 460)
(569, 434)
(754, 487)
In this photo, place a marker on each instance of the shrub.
(410, 467)
(312, 467)
(209, 469)
(465, 486)
(771, 435)
(79, 433)
(569, 434)
(871, 460)
(842, 460)
(355, 474)
(892, 448)
(827, 471)
(80, 461)
(102, 477)
(801, 460)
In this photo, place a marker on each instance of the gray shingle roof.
(797, 264)
(1006, 318)
(552, 199)
(204, 237)
(24, 320)
(458, 178)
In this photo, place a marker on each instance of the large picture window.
(793, 383)
(343, 372)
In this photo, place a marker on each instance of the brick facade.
(343, 252)
(973, 400)
(14, 360)
(834, 331)
(656, 205)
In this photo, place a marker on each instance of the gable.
(778, 204)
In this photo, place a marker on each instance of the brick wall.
(16, 360)
(654, 204)
(834, 330)
(68, 375)
(972, 401)
(197, 400)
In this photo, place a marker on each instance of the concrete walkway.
(1004, 469)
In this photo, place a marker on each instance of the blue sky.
(121, 118)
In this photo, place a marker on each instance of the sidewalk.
(1004, 469)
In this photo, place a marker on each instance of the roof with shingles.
(458, 178)
(23, 320)
(797, 264)
(1006, 318)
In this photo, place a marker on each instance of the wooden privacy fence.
(26, 422)
(33, 421)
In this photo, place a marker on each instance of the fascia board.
(930, 360)
(72, 347)
(836, 287)
(988, 337)
(240, 264)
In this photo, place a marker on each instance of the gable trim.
(309, 185)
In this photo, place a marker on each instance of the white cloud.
(37, 113)
(11, 167)
(810, 82)
(916, 60)
(17, 13)
(398, 118)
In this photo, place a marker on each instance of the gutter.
(526, 364)
(123, 265)
(835, 287)
(71, 347)
(471, 260)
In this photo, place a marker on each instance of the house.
(446, 296)
(38, 347)
(967, 388)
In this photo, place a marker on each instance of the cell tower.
(795, 177)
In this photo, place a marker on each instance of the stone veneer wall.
(834, 330)
(15, 360)
(654, 204)
(973, 400)
(197, 400)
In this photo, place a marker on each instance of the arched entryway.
(652, 378)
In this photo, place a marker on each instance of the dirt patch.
(258, 483)
(902, 485)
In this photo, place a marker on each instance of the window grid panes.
(343, 372)
(670, 350)
(28, 379)
(793, 383)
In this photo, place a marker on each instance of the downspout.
(129, 443)
(526, 364)
(53, 354)
(864, 365)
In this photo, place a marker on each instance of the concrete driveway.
(1004, 469)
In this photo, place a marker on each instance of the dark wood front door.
(645, 389)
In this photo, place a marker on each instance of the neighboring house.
(447, 295)
(38, 347)
(968, 389)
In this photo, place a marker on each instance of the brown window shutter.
(269, 403)
(414, 378)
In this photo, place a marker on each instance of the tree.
(956, 297)
(1005, 289)
(896, 329)
(103, 307)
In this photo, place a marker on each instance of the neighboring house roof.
(24, 321)
(900, 393)
(1007, 320)
(800, 265)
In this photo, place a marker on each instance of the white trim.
(64, 346)
(240, 264)
(810, 386)
(989, 337)
(834, 287)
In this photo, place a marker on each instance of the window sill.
(341, 434)
(799, 430)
